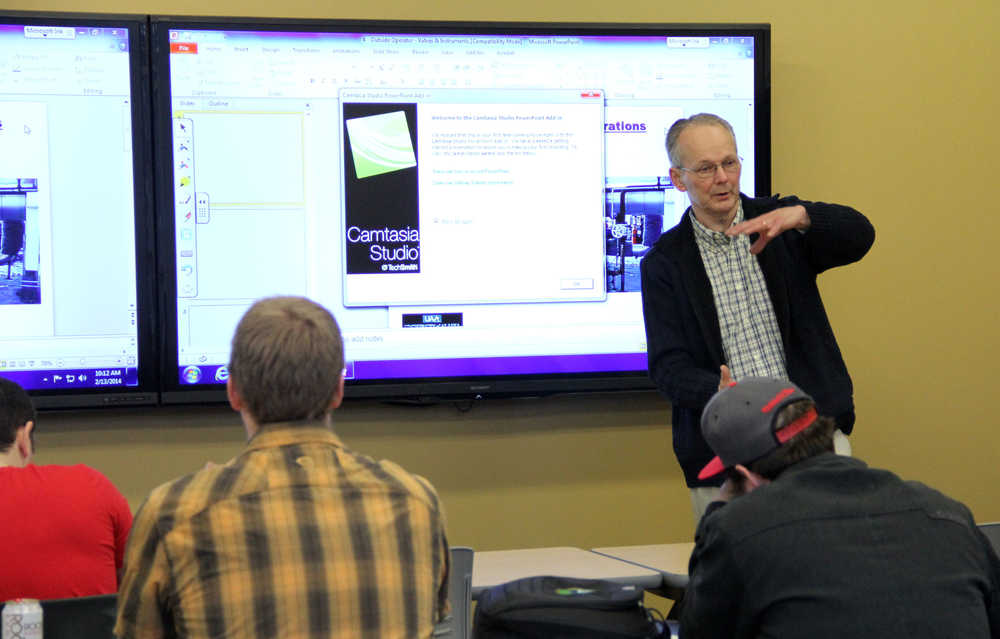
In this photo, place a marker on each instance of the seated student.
(812, 544)
(298, 536)
(62, 528)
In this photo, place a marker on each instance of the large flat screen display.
(76, 209)
(470, 201)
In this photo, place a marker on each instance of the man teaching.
(731, 290)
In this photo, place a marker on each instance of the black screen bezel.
(146, 392)
(422, 389)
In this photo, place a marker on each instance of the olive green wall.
(889, 106)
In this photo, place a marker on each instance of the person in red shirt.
(64, 528)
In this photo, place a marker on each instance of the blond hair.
(286, 359)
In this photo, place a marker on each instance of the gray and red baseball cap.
(738, 422)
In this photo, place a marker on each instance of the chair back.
(992, 532)
(79, 617)
(457, 625)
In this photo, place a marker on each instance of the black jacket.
(683, 339)
(832, 548)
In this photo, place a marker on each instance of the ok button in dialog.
(576, 284)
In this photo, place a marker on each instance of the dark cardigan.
(683, 340)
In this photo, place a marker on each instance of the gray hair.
(698, 119)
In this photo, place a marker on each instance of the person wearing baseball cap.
(807, 543)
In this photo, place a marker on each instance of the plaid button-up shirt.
(296, 537)
(751, 340)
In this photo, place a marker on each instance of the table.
(494, 567)
(670, 560)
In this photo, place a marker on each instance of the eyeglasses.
(707, 171)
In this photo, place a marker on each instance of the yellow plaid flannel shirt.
(298, 536)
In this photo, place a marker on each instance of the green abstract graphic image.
(380, 144)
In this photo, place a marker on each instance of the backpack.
(564, 608)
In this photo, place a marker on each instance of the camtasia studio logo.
(382, 230)
(380, 144)
(385, 250)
